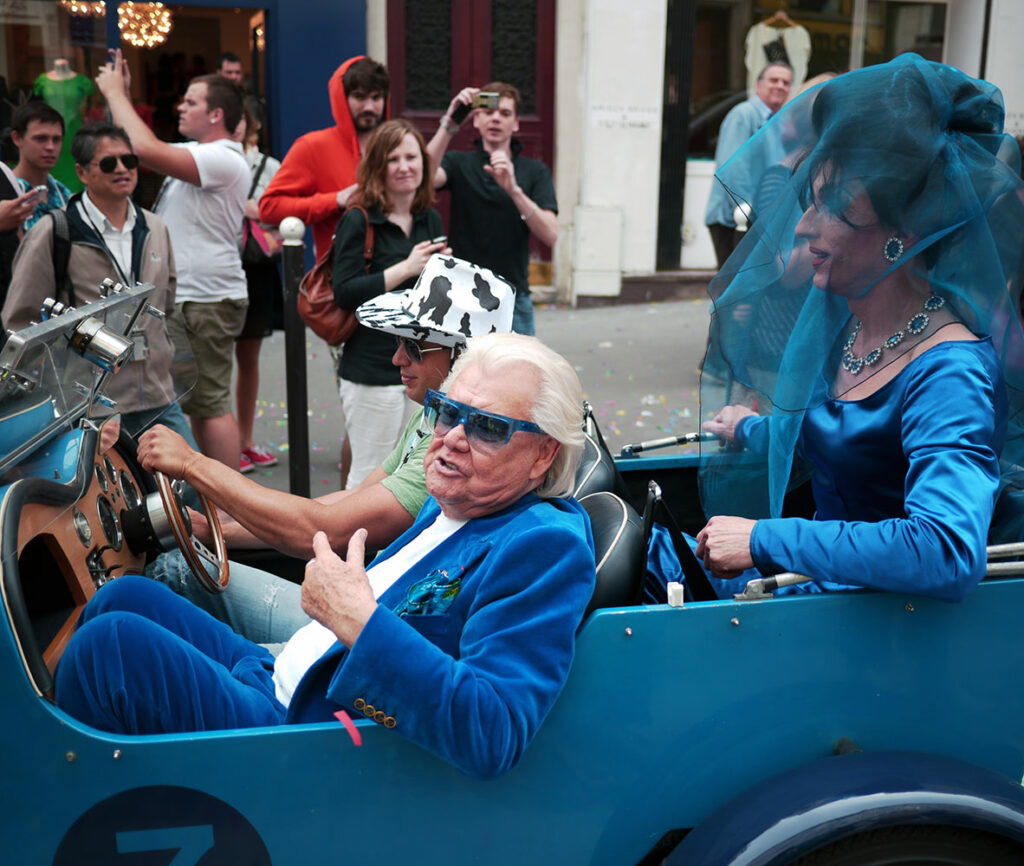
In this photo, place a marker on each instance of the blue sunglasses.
(485, 428)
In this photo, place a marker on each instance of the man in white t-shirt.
(202, 203)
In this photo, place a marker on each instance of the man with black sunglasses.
(106, 235)
(451, 302)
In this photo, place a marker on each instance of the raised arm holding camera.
(499, 196)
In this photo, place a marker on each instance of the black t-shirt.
(486, 227)
(367, 355)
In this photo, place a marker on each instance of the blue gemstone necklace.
(917, 324)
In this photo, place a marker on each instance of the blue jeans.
(259, 606)
(522, 314)
(146, 661)
(170, 416)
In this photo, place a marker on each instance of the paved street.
(637, 364)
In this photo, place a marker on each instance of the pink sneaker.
(245, 465)
(259, 456)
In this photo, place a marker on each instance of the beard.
(368, 121)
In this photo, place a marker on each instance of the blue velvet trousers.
(146, 661)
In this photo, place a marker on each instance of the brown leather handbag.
(315, 300)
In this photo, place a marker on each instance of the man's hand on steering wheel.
(163, 450)
(166, 454)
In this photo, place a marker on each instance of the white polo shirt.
(204, 221)
(118, 241)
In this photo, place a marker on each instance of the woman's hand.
(417, 259)
(336, 592)
(723, 545)
(723, 425)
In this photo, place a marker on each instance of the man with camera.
(499, 196)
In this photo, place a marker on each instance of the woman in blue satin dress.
(868, 320)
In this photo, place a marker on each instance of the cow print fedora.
(452, 301)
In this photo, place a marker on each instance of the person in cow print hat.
(451, 301)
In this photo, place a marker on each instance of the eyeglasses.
(109, 163)
(486, 429)
(414, 350)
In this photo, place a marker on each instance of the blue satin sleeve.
(949, 410)
(752, 433)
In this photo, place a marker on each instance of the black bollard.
(295, 359)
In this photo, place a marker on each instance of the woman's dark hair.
(372, 173)
(894, 126)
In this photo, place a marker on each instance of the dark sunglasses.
(486, 429)
(109, 163)
(414, 350)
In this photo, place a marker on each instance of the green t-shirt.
(404, 466)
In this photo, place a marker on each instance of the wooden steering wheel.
(195, 552)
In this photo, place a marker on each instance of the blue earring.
(893, 248)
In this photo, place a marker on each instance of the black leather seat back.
(618, 549)
(596, 472)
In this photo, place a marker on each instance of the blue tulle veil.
(926, 142)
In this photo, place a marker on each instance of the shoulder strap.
(62, 255)
(368, 240)
(256, 177)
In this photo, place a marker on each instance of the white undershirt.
(118, 241)
(311, 641)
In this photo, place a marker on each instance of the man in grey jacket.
(109, 236)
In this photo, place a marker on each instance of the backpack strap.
(62, 255)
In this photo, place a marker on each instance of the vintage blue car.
(858, 728)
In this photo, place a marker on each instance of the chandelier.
(144, 25)
(84, 9)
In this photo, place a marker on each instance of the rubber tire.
(917, 845)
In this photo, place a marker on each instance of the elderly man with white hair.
(461, 633)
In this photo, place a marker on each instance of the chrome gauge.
(101, 478)
(108, 520)
(111, 474)
(132, 499)
(82, 526)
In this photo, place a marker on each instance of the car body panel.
(656, 728)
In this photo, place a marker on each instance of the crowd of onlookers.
(209, 242)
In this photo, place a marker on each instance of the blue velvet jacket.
(467, 652)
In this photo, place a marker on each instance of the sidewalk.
(637, 363)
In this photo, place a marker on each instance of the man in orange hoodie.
(318, 174)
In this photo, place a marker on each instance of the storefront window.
(736, 38)
(43, 53)
(47, 53)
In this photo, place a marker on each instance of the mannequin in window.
(61, 70)
(67, 91)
